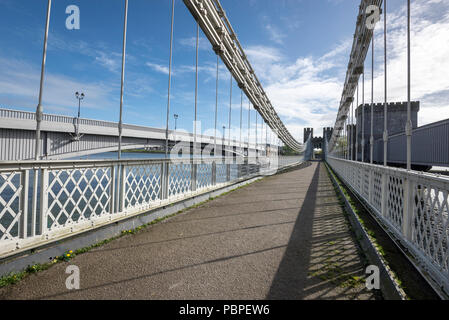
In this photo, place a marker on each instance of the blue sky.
(299, 49)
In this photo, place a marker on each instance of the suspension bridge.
(282, 233)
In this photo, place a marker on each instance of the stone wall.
(396, 120)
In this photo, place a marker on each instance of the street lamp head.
(79, 96)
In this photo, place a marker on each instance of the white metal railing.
(413, 205)
(288, 160)
(41, 201)
(26, 115)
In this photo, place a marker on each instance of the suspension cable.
(363, 115)
(352, 131)
(120, 123)
(249, 123)
(385, 134)
(169, 77)
(409, 116)
(216, 109)
(196, 87)
(256, 133)
(371, 139)
(356, 125)
(230, 107)
(39, 109)
(241, 116)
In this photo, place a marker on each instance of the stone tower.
(327, 133)
(307, 132)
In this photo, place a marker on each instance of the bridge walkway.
(283, 237)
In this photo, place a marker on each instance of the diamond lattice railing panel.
(10, 196)
(358, 179)
(221, 173)
(180, 178)
(234, 174)
(203, 175)
(431, 224)
(76, 195)
(142, 185)
(354, 178)
(395, 201)
(348, 175)
(366, 182)
(244, 170)
(377, 191)
(253, 169)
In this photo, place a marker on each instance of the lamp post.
(79, 96)
(176, 118)
(224, 128)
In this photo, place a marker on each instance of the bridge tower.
(327, 133)
(307, 132)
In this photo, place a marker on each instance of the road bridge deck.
(283, 237)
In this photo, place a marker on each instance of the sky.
(298, 48)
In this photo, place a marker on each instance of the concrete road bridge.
(66, 137)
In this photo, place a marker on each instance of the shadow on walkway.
(322, 259)
(290, 278)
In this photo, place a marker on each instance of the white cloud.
(275, 34)
(307, 91)
(429, 59)
(203, 43)
(108, 61)
(19, 84)
(157, 67)
(100, 54)
(262, 54)
(304, 93)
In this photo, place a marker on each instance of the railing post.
(34, 202)
(121, 197)
(43, 202)
(214, 173)
(370, 186)
(194, 166)
(384, 195)
(164, 179)
(408, 210)
(228, 171)
(23, 226)
(112, 190)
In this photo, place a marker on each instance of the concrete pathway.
(284, 237)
